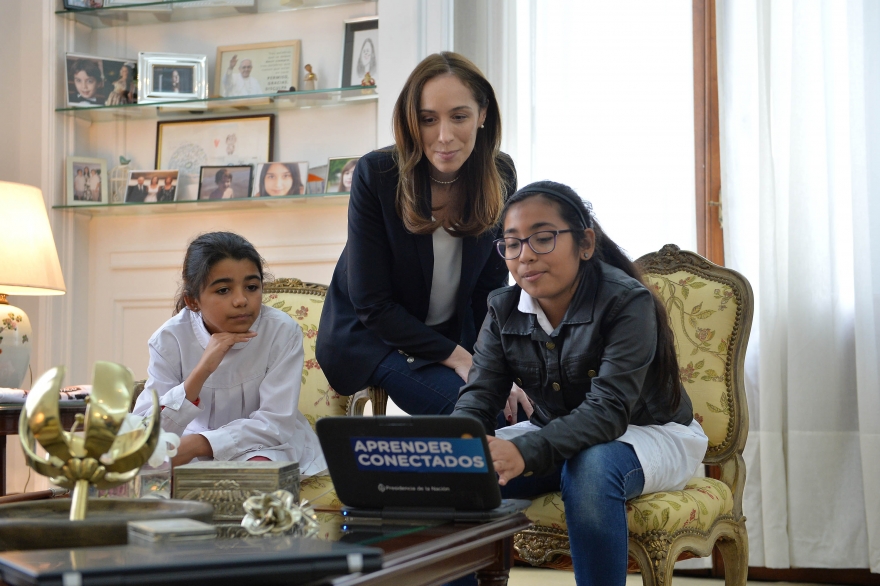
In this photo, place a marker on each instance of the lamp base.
(15, 344)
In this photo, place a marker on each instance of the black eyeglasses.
(541, 242)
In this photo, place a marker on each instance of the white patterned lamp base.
(15, 345)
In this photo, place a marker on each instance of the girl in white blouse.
(227, 368)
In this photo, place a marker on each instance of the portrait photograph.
(86, 181)
(173, 79)
(151, 186)
(100, 81)
(228, 182)
(257, 68)
(169, 77)
(340, 171)
(359, 52)
(273, 179)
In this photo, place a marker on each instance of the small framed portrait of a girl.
(340, 171)
(274, 179)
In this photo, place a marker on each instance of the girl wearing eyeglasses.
(592, 348)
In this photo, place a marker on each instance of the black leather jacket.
(594, 375)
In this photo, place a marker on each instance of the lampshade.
(28, 266)
(28, 258)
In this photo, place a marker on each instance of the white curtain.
(605, 104)
(799, 85)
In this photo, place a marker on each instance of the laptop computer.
(284, 560)
(419, 467)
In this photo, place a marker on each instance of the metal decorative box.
(226, 485)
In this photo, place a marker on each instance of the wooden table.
(9, 415)
(440, 553)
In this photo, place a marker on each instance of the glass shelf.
(211, 106)
(201, 206)
(183, 10)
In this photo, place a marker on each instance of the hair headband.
(585, 220)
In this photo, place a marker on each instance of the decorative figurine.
(311, 80)
(99, 456)
(368, 80)
(119, 180)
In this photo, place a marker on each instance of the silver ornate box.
(226, 485)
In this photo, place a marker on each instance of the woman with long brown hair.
(409, 292)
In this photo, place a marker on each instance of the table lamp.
(28, 266)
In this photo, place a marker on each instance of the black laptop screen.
(429, 454)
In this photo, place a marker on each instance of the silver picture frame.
(170, 77)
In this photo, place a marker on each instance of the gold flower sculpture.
(97, 456)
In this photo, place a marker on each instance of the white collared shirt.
(670, 454)
(248, 406)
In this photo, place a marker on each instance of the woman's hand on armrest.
(460, 361)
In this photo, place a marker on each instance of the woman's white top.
(445, 279)
(670, 454)
(152, 195)
(248, 406)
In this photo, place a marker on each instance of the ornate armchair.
(710, 310)
(304, 302)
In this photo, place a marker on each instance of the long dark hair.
(578, 214)
(296, 187)
(206, 251)
(480, 173)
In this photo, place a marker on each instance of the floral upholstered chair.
(304, 302)
(710, 311)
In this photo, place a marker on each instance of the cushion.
(319, 491)
(317, 398)
(702, 314)
(697, 506)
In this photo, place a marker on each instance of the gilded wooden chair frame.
(655, 552)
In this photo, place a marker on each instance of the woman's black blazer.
(378, 297)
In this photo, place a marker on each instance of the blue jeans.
(595, 486)
(429, 390)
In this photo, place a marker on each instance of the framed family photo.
(271, 179)
(340, 171)
(359, 50)
(100, 81)
(86, 181)
(151, 186)
(227, 182)
(257, 68)
(188, 145)
(166, 77)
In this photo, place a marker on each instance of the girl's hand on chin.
(219, 345)
(506, 459)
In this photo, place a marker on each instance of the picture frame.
(359, 50)
(225, 182)
(257, 68)
(82, 4)
(277, 178)
(151, 186)
(187, 145)
(170, 77)
(94, 81)
(86, 181)
(340, 171)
